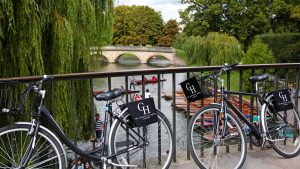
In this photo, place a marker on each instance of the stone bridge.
(144, 54)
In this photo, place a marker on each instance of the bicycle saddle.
(259, 78)
(109, 95)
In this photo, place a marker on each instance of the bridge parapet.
(112, 53)
(138, 48)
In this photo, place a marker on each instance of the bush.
(285, 46)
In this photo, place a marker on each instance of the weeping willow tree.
(54, 37)
(214, 49)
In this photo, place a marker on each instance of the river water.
(166, 86)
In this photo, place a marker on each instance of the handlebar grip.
(9, 111)
(4, 110)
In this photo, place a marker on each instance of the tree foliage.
(169, 33)
(213, 49)
(285, 46)
(242, 19)
(136, 25)
(257, 53)
(54, 37)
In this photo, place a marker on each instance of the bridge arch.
(122, 55)
(112, 53)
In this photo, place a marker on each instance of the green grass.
(182, 55)
(234, 80)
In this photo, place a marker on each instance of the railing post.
(251, 105)
(126, 88)
(297, 89)
(276, 79)
(159, 127)
(174, 113)
(286, 81)
(53, 111)
(74, 117)
(143, 86)
(240, 98)
(188, 155)
(228, 95)
(92, 103)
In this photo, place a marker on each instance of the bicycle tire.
(14, 140)
(158, 152)
(209, 152)
(285, 136)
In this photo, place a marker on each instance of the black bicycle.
(126, 145)
(216, 133)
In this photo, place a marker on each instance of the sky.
(168, 8)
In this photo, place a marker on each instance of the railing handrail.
(70, 76)
(158, 71)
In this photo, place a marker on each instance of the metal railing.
(280, 71)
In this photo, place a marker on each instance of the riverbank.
(181, 58)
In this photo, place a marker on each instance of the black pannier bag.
(195, 89)
(282, 100)
(142, 112)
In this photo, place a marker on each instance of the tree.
(136, 25)
(296, 13)
(242, 19)
(213, 49)
(54, 37)
(257, 53)
(283, 19)
(169, 33)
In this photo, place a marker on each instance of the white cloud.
(168, 8)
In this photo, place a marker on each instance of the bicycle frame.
(240, 114)
(43, 112)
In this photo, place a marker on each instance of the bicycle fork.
(33, 133)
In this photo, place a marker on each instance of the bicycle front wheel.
(145, 147)
(14, 141)
(283, 130)
(214, 144)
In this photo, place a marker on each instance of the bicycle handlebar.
(225, 68)
(30, 87)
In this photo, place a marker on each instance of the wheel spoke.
(47, 153)
(213, 147)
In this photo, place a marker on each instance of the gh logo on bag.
(282, 100)
(190, 88)
(143, 108)
(143, 112)
(283, 96)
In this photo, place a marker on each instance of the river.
(166, 107)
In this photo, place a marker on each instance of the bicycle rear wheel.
(14, 141)
(208, 148)
(155, 152)
(283, 128)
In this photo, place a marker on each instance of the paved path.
(267, 159)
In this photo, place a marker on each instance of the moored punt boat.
(139, 82)
(123, 92)
(169, 95)
(182, 104)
